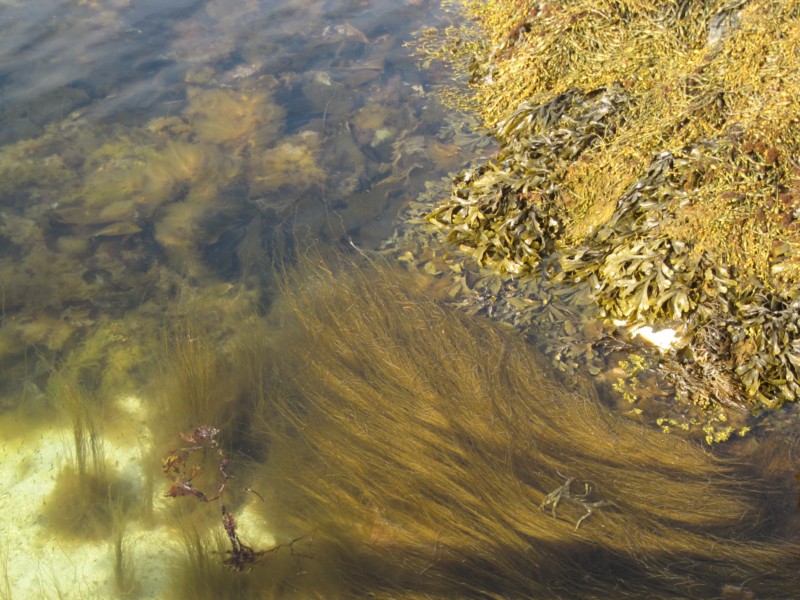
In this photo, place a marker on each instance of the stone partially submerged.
(649, 154)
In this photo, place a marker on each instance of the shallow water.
(152, 157)
(156, 160)
(149, 149)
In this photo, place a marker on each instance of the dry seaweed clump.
(650, 149)
(508, 210)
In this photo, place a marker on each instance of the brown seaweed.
(418, 444)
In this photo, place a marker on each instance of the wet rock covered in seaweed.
(508, 208)
(667, 195)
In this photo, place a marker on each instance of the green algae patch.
(648, 160)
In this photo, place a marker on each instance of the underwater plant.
(88, 497)
(199, 572)
(196, 389)
(84, 413)
(291, 164)
(435, 455)
(125, 579)
(235, 119)
(177, 469)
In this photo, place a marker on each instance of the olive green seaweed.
(88, 496)
(195, 385)
(125, 577)
(430, 454)
(198, 570)
(85, 413)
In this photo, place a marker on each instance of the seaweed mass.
(425, 453)
(405, 450)
(648, 174)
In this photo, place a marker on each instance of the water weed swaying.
(434, 455)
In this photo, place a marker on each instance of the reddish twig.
(180, 473)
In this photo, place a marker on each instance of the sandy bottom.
(37, 562)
